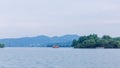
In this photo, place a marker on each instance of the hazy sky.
(58, 17)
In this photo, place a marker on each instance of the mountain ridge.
(40, 41)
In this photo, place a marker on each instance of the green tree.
(74, 43)
(89, 43)
(102, 43)
(2, 45)
(82, 38)
(114, 44)
(118, 44)
(93, 41)
(106, 37)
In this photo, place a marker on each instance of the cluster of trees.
(93, 41)
(2, 45)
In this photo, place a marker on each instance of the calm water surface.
(59, 58)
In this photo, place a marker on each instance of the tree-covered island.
(2, 45)
(93, 41)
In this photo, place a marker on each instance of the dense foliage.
(2, 45)
(93, 41)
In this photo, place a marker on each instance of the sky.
(21, 18)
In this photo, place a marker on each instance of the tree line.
(93, 41)
(2, 45)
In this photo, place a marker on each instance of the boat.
(55, 46)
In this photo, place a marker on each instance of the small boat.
(55, 46)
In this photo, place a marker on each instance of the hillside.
(40, 41)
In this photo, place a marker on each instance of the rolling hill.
(40, 41)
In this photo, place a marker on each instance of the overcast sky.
(19, 18)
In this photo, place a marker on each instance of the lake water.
(59, 58)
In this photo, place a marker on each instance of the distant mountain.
(40, 41)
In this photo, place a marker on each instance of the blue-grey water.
(59, 58)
